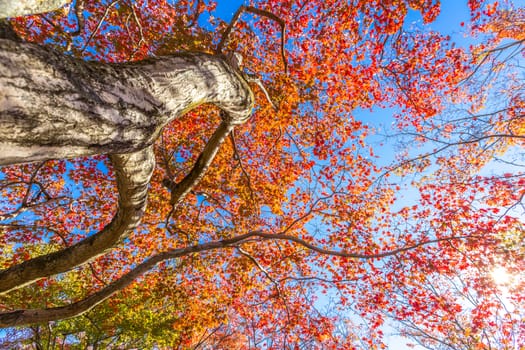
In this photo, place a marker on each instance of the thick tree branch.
(21, 317)
(181, 189)
(61, 107)
(24, 317)
(9, 8)
(6, 31)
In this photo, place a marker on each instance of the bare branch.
(24, 207)
(182, 188)
(99, 25)
(258, 82)
(196, 14)
(24, 317)
(259, 266)
(81, 23)
(263, 13)
(246, 175)
(141, 31)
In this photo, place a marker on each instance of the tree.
(262, 189)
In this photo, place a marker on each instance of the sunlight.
(501, 276)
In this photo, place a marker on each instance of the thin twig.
(238, 157)
(23, 208)
(196, 14)
(258, 82)
(267, 274)
(99, 25)
(81, 23)
(141, 31)
(259, 266)
(263, 13)
(30, 183)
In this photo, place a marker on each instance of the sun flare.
(501, 276)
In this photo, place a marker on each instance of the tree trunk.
(54, 107)
(9, 8)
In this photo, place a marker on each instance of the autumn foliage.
(420, 234)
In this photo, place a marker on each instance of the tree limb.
(29, 316)
(181, 189)
(63, 107)
(9, 8)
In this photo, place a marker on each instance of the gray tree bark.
(54, 107)
(9, 8)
